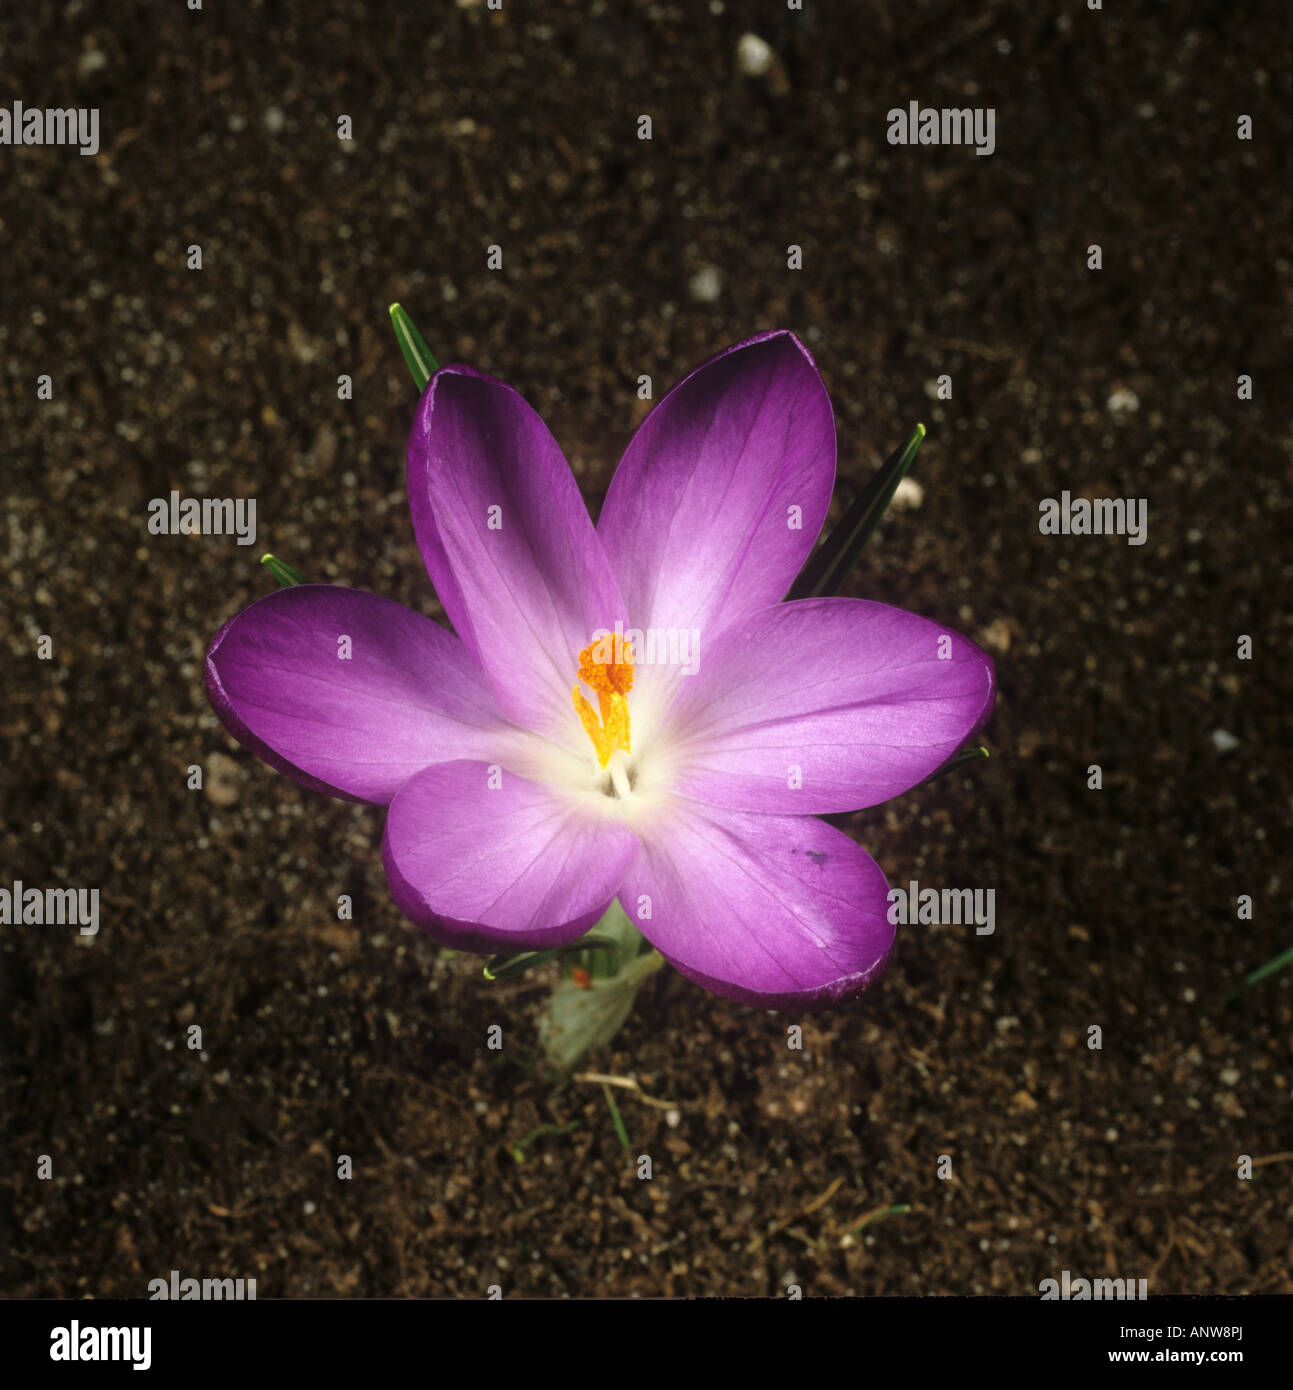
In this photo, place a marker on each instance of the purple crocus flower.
(627, 710)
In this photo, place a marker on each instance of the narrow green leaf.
(505, 966)
(519, 1148)
(825, 573)
(616, 1117)
(955, 763)
(416, 353)
(1278, 963)
(285, 574)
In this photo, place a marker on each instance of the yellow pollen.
(611, 681)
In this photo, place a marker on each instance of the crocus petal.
(509, 544)
(825, 705)
(721, 493)
(354, 718)
(485, 861)
(779, 911)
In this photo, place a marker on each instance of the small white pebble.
(706, 285)
(1123, 401)
(308, 1208)
(753, 55)
(1223, 741)
(908, 495)
(274, 120)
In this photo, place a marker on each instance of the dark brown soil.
(1115, 908)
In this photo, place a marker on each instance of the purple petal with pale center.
(511, 867)
(721, 493)
(825, 705)
(359, 725)
(509, 544)
(780, 911)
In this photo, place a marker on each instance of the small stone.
(221, 780)
(908, 495)
(706, 285)
(274, 120)
(753, 56)
(996, 636)
(1123, 401)
(1223, 741)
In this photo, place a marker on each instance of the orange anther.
(611, 680)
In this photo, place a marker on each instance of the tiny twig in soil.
(877, 1215)
(814, 1205)
(628, 1084)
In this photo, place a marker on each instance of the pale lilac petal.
(825, 705)
(721, 493)
(780, 911)
(486, 861)
(357, 726)
(509, 544)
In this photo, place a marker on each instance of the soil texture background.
(1115, 908)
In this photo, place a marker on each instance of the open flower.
(624, 711)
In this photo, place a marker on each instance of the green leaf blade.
(422, 366)
(829, 568)
(286, 574)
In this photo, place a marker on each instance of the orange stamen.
(611, 681)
